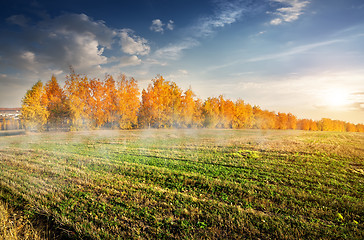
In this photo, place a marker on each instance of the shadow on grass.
(44, 223)
(11, 132)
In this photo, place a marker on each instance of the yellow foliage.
(34, 112)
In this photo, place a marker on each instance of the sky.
(300, 56)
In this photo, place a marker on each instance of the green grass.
(189, 184)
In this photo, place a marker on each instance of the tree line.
(85, 103)
(10, 124)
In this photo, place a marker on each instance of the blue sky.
(299, 56)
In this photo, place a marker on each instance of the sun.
(336, 98)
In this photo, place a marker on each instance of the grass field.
(188, 184)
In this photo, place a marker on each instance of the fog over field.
(187, 183)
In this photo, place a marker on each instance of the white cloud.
(159, 26)
(276, 21)
(27, 60)
(88, 47)
(28, 56)
(295, 50)
(277, 55)
(153, 61)
(129, 61)
(174, 51)
(81, 24)
(227, 12)
(132, 44)
(40, 49)
(170, 25)
(178, 76)
(69, 39)
(290, 13)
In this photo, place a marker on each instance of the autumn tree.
(226, 112)
(161, 104)
(110, 102)
(188, 109)
(218, 112)
(339, 126)
(360, 127)
(243, 117)
(263, 119)
(77, 92)
(303, 124)
(313, 126)
(282, 121)
(56, 104)
(127, 102)
(95, 100)
(258, 117)
(308, 125)
(291, 121)
(146, 111)
(211, 112)
(350, 127)
(175, 107)
(327, 124)
(34, 107)
(198, 117)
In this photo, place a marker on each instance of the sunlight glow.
(336, 98)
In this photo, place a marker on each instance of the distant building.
(10, 113)
(10, 119)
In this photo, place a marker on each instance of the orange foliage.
(263, 119)
(211, 112)
(127, 103)
(161, 104)
(57, 104)
(77, 91)
(109, 103)
(191, 115)
(243, 117)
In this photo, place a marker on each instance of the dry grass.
(14, 226)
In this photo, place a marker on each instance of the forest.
(91, 103)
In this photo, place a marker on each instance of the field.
(188, 184)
